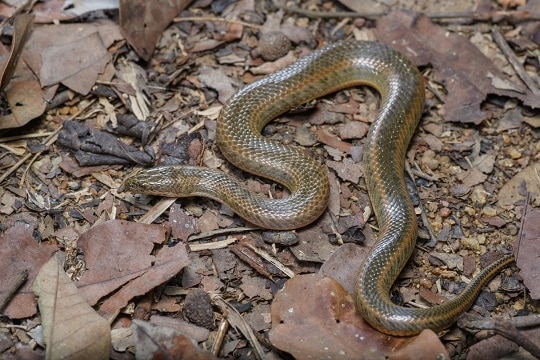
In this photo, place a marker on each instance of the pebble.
(445, 212)
(74, 185)
(479, 196)
(461, 191)
(273, 45)
(514, 153)
(429, 160)
(470, 243)
(489, 211)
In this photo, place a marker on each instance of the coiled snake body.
(327, 70)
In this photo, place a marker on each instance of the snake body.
(238, 135)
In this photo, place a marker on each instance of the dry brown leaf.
(313, 244)
(347, 169)
(344, 264)
(313, 317)
(517, 187)
(20, 251)
(79, 71)
(163, 342)
(71, 328)
(457, 64)
(22, 26)
(61, 53)
(120, 257)
(26, 103)
(218, 80)
(529, 251)
(136, 77)
(143, 22)
(182, 225)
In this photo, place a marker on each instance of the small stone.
(514, 153)
(429, 160)
(470, 243)
(489, 211)
(198, 309)
(445, 212)
(479, 195)
(461, 190)
(74, 185)
(272, 46)
(425, 283)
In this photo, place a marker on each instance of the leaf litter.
(473, 179)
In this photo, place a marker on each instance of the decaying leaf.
(25, 100)
(143, 22)
(22, 26)
(457, 64)
(313, 317)
(163, 342)
(74, 54)
(120, 259)
(71, 328)
(20, 252)
(529, 251)
(517, 187)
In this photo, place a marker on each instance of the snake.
(239, 136)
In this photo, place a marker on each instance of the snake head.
(169, 181)
(154, 181)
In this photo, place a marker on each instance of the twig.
(213, 245)
(12, 287)
(423, 214)
(22, 137)
(499, 326)
(373, 15)
(523, 217)
(272, 260)
(218, 232)
(512, 59)
(220, 336)
(238, 322)
(156, 210)
(216, 19)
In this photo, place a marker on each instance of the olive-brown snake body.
(327, 70)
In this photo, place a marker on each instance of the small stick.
(239, 323)
(499, 326)
(373, 15)
(216, 19)
(512, 59)
(220, 336)
(12, 288)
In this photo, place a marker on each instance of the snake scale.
(238, 135)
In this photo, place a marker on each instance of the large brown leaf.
(313, 318)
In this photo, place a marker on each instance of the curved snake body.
(238, 135)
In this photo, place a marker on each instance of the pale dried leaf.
(71, 328)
